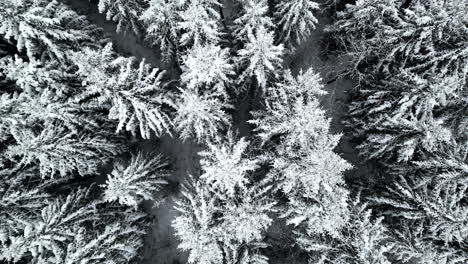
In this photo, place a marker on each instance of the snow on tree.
(206, 66)
(215, 230)
(437, 205)
(241, 254)
(41, 227)
(45, 27)
(225, 167)
(201, 115)
(46, 233)
(260, 57)
(140, 101)
(313, 182)
(74, 228)
(410, 243)
(46, 125)
(46, 94)
(401, 117)
(8, 102)
(199, 22)
(103, 246)
(18, 199)
(117, 235)
(125, 12)
(253, 18)
(138, 97)
(58, 152)
(292, 110)
(315, 172)
(54, 122)
(303, 163)
(424, 37)
(246, 219)
(32, 76)
(448, 165)
(195, 226)
(161, 21)
(137, 181)
(323, 213)
(296, 19)
(361, 240)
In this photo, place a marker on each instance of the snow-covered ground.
(161, 243)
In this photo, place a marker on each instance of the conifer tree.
(139, 180)
(58, 152)
(199, 22)
(207, 67)
(253, 18)
(260, 57)
(438, 206)
(161, 22)
(425, 37)
(125, 13)
(296, 18)
(410, 243)
(215, 230)
(45, 233)
(405, 116)
(54, 121)
(68, 230)
(361, 240)
(303, 163)
(201, 115)
(45, 27)
(48, 127)
(137, 96)
(225, 166)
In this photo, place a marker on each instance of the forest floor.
(161, 244)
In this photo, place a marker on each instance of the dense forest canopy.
(208, 130)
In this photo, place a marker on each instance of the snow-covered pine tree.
(427, 203)
(215, 230)
(303, 163)
(125, 13)
(406, 116)
(438, 206)
(199, 22)
(245, 220)
(118, 242)
(195, 225)
(361, 240)
(226, 167)
(137, 96)
(201, 115)
(410, 243)
(50, 128)
(260, 57)
(161, 22)
(59, 152)
(47, 126)
(253, 18)
(73, 228)
(292, 110)
(42, 27)
(47, 233)
(449, 164)
(130, 184)
(207, 67)
(19, 199)
(296, 19)
(385, 36)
